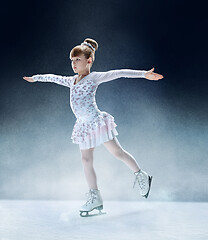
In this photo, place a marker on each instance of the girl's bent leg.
(87, 161)
(115, 148)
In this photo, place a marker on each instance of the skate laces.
(140, 179)
(91, 195)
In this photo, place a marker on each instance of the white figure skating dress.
(92, 126)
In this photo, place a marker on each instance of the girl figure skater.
(94, 127)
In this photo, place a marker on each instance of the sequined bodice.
(82, 100)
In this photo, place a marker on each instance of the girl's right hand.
(29, 79)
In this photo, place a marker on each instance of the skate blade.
(150, 181)
(86, 213)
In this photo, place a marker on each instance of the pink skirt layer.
(104, 131)
(99, 136)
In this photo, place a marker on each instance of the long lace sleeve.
(101, 77)
(61, 80)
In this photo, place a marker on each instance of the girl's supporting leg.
(115, 148)
(87, 161)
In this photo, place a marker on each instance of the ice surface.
(60, 220)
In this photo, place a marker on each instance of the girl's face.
(80, 63)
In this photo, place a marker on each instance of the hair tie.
(89, 45)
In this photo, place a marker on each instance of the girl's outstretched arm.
(128, 73)
(62, 80)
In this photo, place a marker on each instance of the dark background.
(163, 124)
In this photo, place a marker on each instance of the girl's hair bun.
(92, 42)
(88, 49)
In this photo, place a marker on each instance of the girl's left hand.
(150, 75)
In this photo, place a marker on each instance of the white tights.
(113, 147)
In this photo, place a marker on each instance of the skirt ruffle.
(93, 133)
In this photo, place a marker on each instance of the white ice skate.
(144, 181)
(94, 202)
